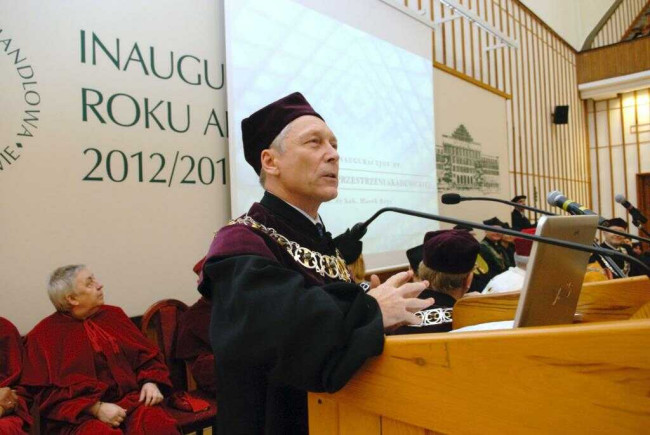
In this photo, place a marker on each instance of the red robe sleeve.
(145, 357)
(11, 360)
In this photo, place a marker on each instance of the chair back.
(159, 324)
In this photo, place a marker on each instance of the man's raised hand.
(397, 299)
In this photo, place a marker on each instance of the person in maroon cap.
(286, 317)
(447, 264)
(513, 278)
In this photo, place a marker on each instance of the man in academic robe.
(513, 278)
(286, 318)
(519, 220)
(14, 410)
(618, 243)
(447, 264)
(91, 370)
(492, 259)
(508, 245)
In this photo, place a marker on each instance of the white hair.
(277, 144)
(61, 284)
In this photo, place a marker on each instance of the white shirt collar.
(311, 219)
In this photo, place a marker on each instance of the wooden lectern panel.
(599, 301)
(584, 378)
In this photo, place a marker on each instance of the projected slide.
(377, 99)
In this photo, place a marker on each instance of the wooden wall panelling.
(611, 160)
(538, 76)
(638, 135)
(588, 134)
(624, 147)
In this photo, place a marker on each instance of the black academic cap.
(616, 222)
(415, 255)
(495, 222)
(349, 247)
(463, 227)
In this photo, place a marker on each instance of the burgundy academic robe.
(11, 361)
(72, 364)
(193, 344)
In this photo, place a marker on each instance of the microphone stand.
(562, 243)
(639, 226)
(538, 210)
(608, 262)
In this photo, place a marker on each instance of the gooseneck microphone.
(557, 199)
(454, 198)
(362, 227)
(637, 216)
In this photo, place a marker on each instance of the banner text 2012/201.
(117, 166)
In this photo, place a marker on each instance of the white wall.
(573, 20)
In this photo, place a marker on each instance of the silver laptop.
(554, 274)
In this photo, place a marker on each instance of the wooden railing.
(614, 60)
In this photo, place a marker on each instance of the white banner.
(113, 147)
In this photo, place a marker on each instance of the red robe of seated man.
(193, 344)
(71, 364)
(11, 359)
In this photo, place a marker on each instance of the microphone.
(558, 199)
(363, 226)
(454, 198)
(633, 211)
(451, 198)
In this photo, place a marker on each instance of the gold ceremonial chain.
(326, 265)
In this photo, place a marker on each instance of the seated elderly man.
(513, 278)
(447, 263)
(91, 370)
(14, 412)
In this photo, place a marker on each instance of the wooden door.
(643, 197)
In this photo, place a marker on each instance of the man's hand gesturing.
(397, 299)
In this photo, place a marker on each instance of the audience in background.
(617, 243)
(518, 218)
(14, 409)
(513, 278)
(466, 228)
(492, 259)
(448, 259)
(508, 245)
(90, 369)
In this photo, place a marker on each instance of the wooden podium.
(592, 377)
